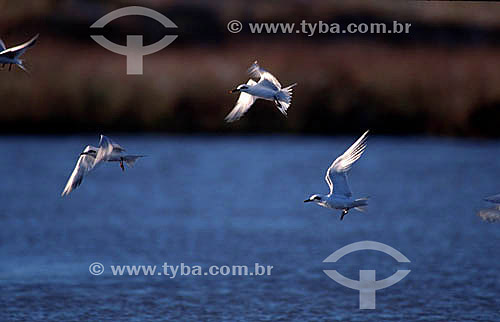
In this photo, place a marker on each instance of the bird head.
(89, 152)
(240, 88)
(316, 198)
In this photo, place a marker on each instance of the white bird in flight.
(340, 196)
(268, 87)
(491, 214)
(91, 156)
(11, 55)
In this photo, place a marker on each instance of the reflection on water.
(231, 201)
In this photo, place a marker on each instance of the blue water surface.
(239, 201)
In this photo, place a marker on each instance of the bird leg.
(344, 212)
(121, 164)
(10, 67)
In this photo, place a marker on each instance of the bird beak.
(307, 200)
(234, 90)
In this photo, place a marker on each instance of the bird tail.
(131, 159)
(361, 204)
(285, 98)
(23, 68)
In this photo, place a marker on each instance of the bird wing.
(244, 102)
(17, 51)
(493, 199)
(489, 214)
(256, 71)
(84, 164)
(107, 148)
(2, 45)
(268, 84)
(336, 175)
